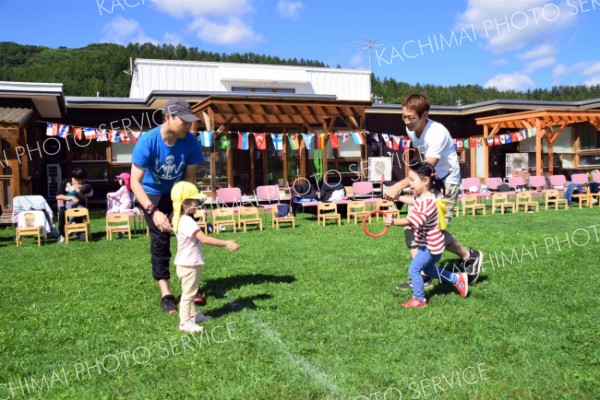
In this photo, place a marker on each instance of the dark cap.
(178, 107)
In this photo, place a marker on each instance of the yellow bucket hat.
(181, 191)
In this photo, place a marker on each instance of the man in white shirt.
(433, 143)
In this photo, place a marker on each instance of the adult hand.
(161, 221)
(231, 245)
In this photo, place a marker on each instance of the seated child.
(122, 199)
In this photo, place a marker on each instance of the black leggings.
(160, 242)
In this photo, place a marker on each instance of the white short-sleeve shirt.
(189, 248)
(436, 142)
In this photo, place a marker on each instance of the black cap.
(178, 107)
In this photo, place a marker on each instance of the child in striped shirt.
(423, 220)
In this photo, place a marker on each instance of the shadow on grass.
(221, 286)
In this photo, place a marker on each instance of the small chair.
(558, 182)
(249, 216)
(327, 211)
(500, 200)
(471, 202)
(538, 184)
(200, 217)
(117, 223)
(552, 196)
(75, 227)
(584, 198)
(223, 217)
(30, 229)
(356, 208)
(524, 199)
(276, 220)
(388, 207)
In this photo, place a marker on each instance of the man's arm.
(392, 192)
(190, 173)
(137, 175)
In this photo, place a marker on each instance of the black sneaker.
(199, 298)
(427, 282)
(167, 303)
(472, 265)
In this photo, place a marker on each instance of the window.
(588, 137)
(262, 90)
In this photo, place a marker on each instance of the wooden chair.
(584, 198)
(29, 229)
(327, 211)
(471, 202)
(200, 217)
(75, 227)
(223, 217)
(524, 199)
(552, 196)
(249, 216)
(117, 223)
(500, 200)
(356, 208)
(276, 220)
(388, 207)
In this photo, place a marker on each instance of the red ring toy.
(364, 224)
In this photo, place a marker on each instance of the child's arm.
(389, 220)
(212, 241)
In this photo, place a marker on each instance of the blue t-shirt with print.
(164, 165)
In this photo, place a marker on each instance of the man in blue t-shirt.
(163, 156)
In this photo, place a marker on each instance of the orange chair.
(471, 202)
(500, 200)
(552, 196)
(524, 199)
(326, 211)
(356, 208)
(223, 217)
(388, 207)
(277, 220)
(117, 223)
(200, 217)
(75, 227)
(249, 216)
(30, 229)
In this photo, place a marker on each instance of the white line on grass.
(310, 370)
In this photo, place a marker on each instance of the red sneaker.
(199, 298)
(462, 286)
(415, 303)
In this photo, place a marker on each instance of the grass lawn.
(310, 313)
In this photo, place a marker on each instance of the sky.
(510, 45)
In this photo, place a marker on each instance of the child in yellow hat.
(190, 258)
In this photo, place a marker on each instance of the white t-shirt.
(189, 248)
(436, 142)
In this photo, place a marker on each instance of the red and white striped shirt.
(423, 219)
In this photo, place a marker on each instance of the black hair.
(86, 189)
(426, 170)
(79, 173)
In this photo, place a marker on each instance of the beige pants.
(190, 278)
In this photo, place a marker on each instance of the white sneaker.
(191, 327)
(61, 239)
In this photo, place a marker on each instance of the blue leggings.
(425, 261)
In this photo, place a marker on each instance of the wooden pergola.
(544, 121)
(13, 132)
(230, 113)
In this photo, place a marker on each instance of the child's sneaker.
(415, 303)
(463, 284)
(191, 327)
(200, 317)
(199, 298)
(167, 303)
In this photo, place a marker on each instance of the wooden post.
(230, 165)
(538, 147)
(252, 178)
(303, 157)
(285, 152)
(486, 153)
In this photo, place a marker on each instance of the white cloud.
(204, 8)
(358, 61)
(123, 31)
(542, 51)
(233, 31)
(592, 74)
(588, 73)
(539, 63)
(499, 62)
(289, 9)
(514, 81)
(513, 25)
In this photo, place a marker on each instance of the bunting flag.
(508, 139)
(308, 140)
(294, 142)
(472, 143)
(374, 137)
(277, 141)
(345, 137)
(102, 135)
(90, 133)
(333, 139)
(459, 144)
(497, 141)
(51, 129)
(261, 141)
(513, 137)
(321, 141)
(358, 138)
(77, 132)
(387, 140)
(396, 142)
(466, 144)
(243, 141)
(113, 136)
(124, 137)
(135, 135)
(502, 139)
(405, 144)
(63, 131)
(224, 141)
(490, 141)
(522, 135)
(206, 138)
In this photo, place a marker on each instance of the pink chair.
(558, 182)
(596, 177)
(470, 183)
(516, 181)
(364, 191)
(581, 179)
(269, 194)
(538, 183)
(493, 183)
(229, 197)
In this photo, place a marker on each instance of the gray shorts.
(451, 194)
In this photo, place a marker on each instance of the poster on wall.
(517, 162)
